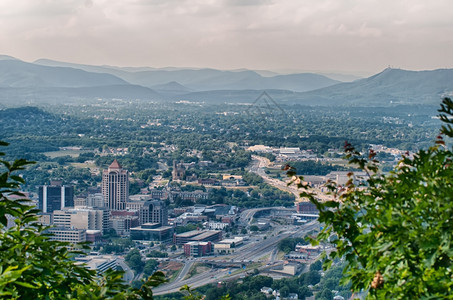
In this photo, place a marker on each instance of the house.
(291, 296)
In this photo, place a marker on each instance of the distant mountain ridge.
(171, 89)
(391, 86)
(16, 73)
(7, 57)
(208, 79)
(22, 82)
(55, 95)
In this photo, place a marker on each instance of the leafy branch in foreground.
(395, 231)
(34, 267)
(190, 294)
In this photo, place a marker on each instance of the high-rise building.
(55, 196)
(115, 187)
(154, 211)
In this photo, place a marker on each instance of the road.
(128, 273)
(246, 217)
(251, 252)
(258, 166)
(184, 271)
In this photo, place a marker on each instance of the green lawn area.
(83, 165)
(73, 153)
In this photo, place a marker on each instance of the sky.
(350, 36)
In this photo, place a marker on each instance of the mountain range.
(391, 86)
(16, 73)
(58, 81)
(207, 79)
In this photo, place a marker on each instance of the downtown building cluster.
(89, 218)
(144, 218)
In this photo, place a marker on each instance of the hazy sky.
(324, 35)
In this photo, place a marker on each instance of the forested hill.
(16, 73)
(390, 87)
(23, 120)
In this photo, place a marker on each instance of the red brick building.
(197, 249)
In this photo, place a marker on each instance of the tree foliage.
(395, 231)
(316, 266)
(134, 260)
(289, 244)
(311, 167)
(150, 267)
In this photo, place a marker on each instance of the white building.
(82, 218)
(95, 200)
(217, 225)
(100, 263)
(68, 235)
(228, 245)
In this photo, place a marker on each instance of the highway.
(247, 215)
(128, 273)
(251, 252)
(258, 166)
(184, 271)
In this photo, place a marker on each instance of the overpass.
(247, 215)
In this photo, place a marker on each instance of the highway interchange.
(253, 251)
(259, 248)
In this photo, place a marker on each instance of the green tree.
(316, 266)
(134, 260)
(311, 277)
(395, 230)
(325, 294)
(289, 244)
(254, 228)
(188, 227)
(155, 253)
(150, 267)
(190, 294)
(284, 291)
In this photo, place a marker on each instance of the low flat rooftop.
(162, 228)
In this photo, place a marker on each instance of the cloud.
(229, 33)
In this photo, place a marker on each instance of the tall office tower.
(55, 196)
(115, 187)
(154, 211)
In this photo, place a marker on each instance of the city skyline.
(323, 36)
